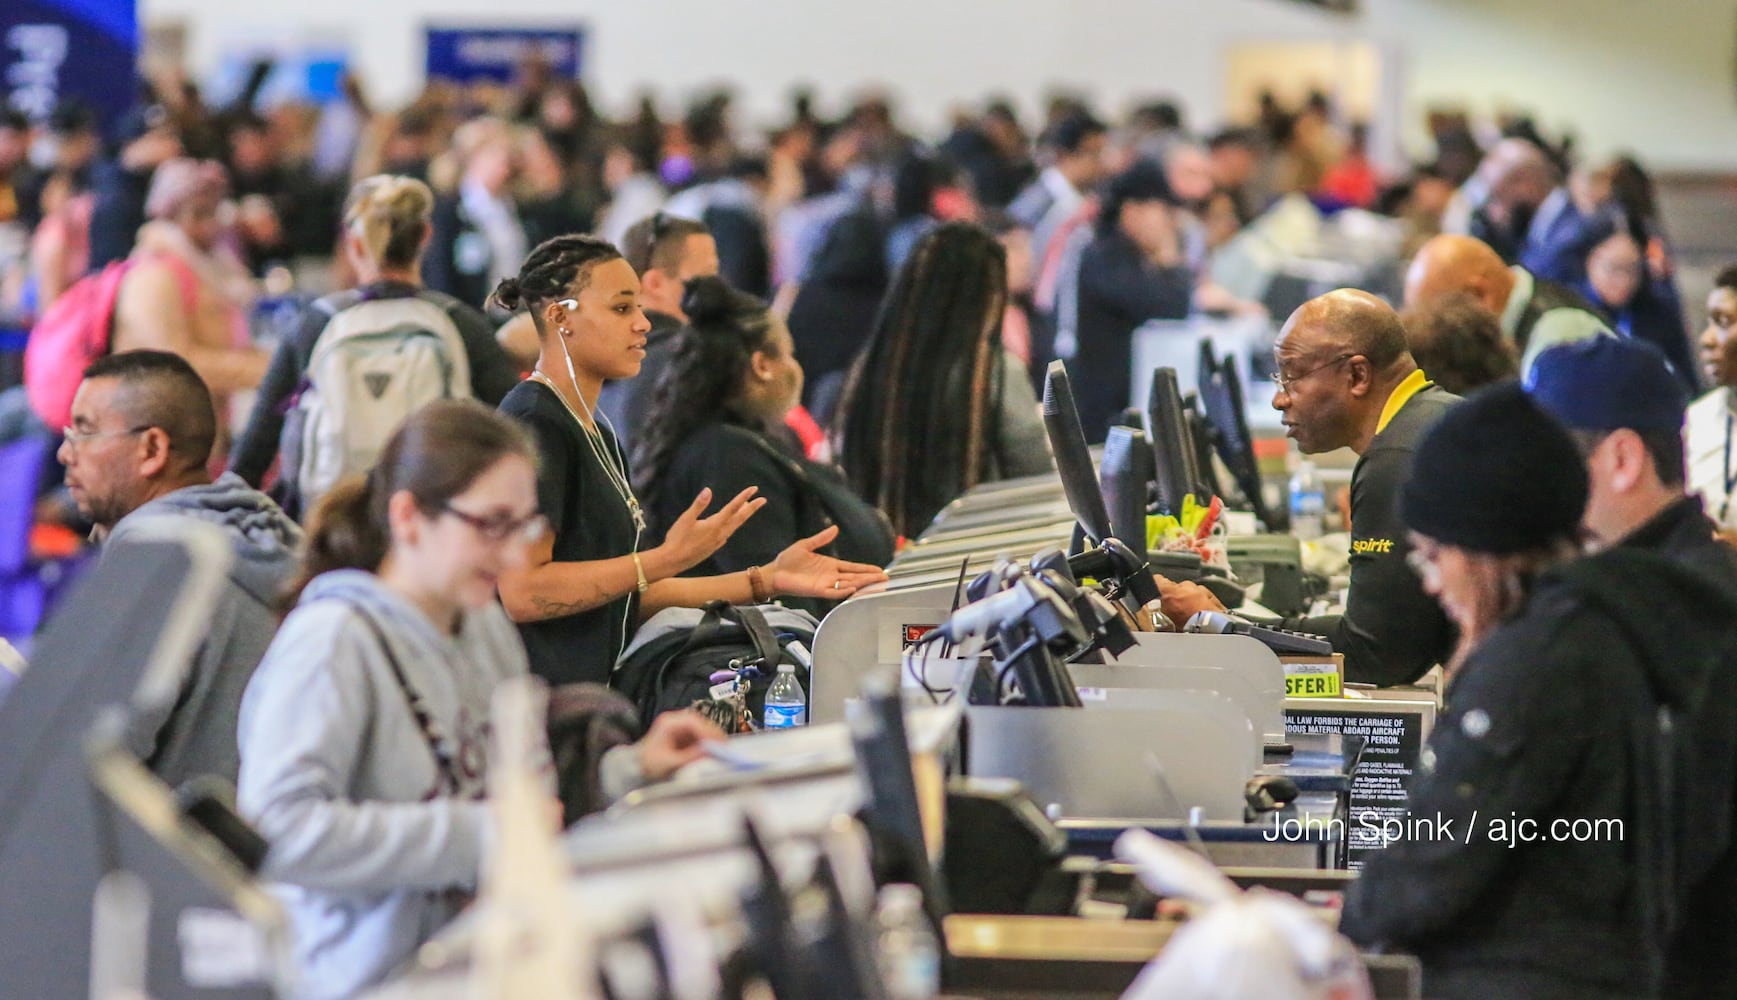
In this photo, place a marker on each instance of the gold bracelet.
(639, 568)
(757, 586)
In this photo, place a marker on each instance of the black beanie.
(1496, 474)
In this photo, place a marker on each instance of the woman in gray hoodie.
(363, 733)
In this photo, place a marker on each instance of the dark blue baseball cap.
(1608, 383)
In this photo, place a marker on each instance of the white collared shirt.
(1707, 430)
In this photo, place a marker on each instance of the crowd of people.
(568, 373)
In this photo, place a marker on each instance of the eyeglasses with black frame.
(500, 529)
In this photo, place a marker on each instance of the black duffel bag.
(674, 656)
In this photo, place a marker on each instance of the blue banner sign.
(467, 54)
(57, 50)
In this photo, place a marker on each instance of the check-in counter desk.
(1049, 958)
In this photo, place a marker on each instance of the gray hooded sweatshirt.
(195, 735)
(368, 843)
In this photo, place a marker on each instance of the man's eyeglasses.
(79, 438)
(1288, 382)
(499, 529)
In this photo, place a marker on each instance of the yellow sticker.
(1311, 680)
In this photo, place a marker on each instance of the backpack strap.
(444, 767)
(753, 622)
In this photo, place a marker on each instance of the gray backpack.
(374, 364)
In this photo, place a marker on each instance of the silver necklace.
(613, 468)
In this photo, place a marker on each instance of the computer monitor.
(1221, 397)
(1067, 439)
(1174, 475)
(121, 639)
(1200, 442)
(1125, 474)
(892, 812)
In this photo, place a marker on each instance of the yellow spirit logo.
(1372, 546)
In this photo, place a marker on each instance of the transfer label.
(1312, 680)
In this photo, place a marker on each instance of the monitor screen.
(1200, 443)
(1221, 397)
(891, 810)
(1126, 477)
(1174, 475)
(1072, 459)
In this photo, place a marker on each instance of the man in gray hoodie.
(136, 457)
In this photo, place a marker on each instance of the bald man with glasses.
(1346, 379)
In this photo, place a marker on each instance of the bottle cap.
(901, 895)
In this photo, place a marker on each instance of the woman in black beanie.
(1495, 497)
(1544, 854)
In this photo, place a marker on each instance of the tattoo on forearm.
(556, 609)
(560, 609)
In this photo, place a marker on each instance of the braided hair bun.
(709, 300)
(509, 295)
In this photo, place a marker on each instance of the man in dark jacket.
(1624, 406)
(1131, 272)
(1535, 314)
(1529, 216)
(836, 301)
(1584, 759)
(667, 251)
(1347, 380)
(135, 457)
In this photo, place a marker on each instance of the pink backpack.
(76, 331)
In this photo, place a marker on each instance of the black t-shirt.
(590, 521)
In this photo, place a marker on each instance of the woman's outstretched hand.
(802, 571)
(692, 539)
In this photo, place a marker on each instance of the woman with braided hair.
(594, 576)
(717, 422)
(935, 405)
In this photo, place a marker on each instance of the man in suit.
(1529, 216)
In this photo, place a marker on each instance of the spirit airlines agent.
(1347, 380)
(589, 582)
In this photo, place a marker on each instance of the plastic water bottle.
(786, 705)
(909, 956)
(1308, 501)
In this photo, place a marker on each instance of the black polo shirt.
(1391, 632)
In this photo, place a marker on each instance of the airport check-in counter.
(1170, 732)
(675, 855)
(1085, 937)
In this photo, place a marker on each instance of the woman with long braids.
(717, 423)
(594, 577)
(935, 405)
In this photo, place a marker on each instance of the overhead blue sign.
(470, 53)
(55, 50)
